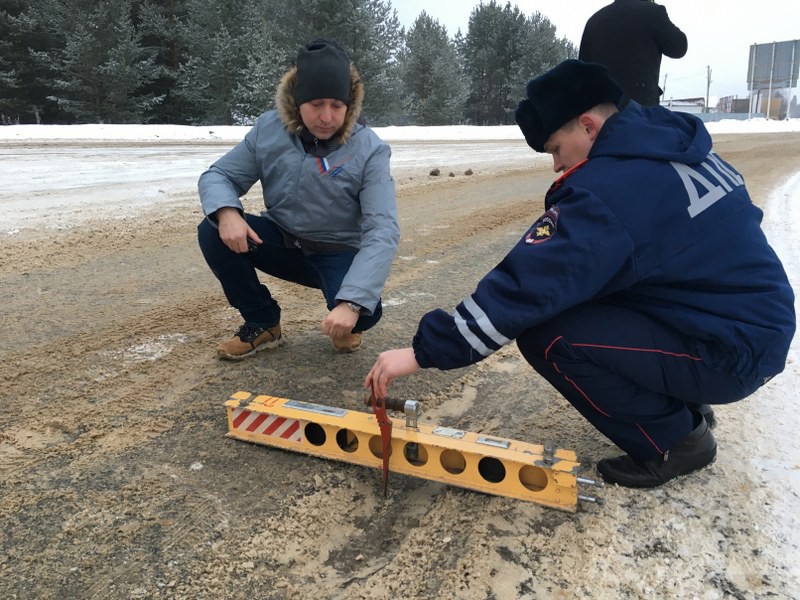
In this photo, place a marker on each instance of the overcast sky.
(720, 33)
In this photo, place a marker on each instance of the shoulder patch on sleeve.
(544, 228)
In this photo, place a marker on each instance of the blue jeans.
(237, 272)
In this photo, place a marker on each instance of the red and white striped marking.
(270, 425)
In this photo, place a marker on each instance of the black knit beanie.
(323, 71)
(564, 92)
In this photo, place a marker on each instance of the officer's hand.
(390, 364)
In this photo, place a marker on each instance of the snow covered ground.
(778, 446)
(63, 176)
(60, 176)
(176, 133)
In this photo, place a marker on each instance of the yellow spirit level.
(490, 464)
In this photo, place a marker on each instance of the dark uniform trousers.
(629, 375)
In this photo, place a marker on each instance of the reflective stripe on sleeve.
(484, 324)
(482, 321)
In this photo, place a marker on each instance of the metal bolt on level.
(586, 481)
(598, 501)
(411, 408)
(548, 453)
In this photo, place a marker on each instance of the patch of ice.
(150, 350)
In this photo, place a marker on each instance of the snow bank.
(233, 134)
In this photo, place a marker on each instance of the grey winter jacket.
(346, 198)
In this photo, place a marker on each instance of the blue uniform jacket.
(654, 221)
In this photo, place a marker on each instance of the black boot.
(706, 411)
(693, 452)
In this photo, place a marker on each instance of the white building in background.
(689, 105)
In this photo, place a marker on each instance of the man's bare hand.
(234, 230)
(339, 322)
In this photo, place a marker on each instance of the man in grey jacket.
(331, 216)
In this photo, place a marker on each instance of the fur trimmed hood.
(289, 112)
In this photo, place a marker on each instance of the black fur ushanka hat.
(561, 94)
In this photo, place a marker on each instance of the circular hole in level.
(347, 440)
(491, 469)
(533, 478)
(453, 462)
(415, 454)
(315, 434)
(376, 446)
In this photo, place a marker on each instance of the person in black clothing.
(629, 37)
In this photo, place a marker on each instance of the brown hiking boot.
(249, 340)
(347, 343)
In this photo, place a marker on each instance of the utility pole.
(664, 88)
(708, 86)
(789, 91)
(751, 81)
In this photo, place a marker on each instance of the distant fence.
(723, 116)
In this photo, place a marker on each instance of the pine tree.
(12, 53)
(24, 82)
(503, 49)
(265, 64)
(542, 51)
(212, 62)
(435, 89)
(231, 64)
(494, 43)
(101, 67)
(368, 30)
(158, 21)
